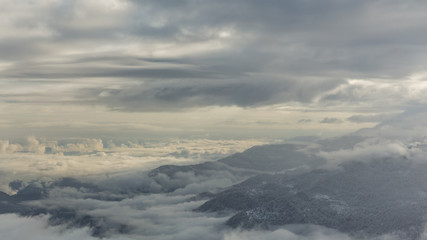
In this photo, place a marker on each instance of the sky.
(122, 69)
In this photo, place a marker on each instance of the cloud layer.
(117, 206)
(125, 67)
(159, 56)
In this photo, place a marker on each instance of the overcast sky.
(231, 69)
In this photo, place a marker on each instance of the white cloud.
(166, 224)
(307, 232)
(376, 149)
(300, 232)
(382, 95)
(119, 160)
(179, 148)
(154, 216)
(14, 227)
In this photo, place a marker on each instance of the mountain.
(360, 198)
(237, 167)
(273, 158)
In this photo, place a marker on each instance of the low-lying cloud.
(172, 226)
(35, 158)
(376, 149)
(14, 227)
(118, 206)
(185, 148)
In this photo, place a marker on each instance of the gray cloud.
(15, 227)
(328, 120)
(175, 95)
(406, 125)
(374, 149)
(327, 36)
(368, 118)
(305, 120)
(206, 41)
(154, 216)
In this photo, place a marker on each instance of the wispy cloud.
(329, 120)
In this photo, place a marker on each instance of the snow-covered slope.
(372, 198)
